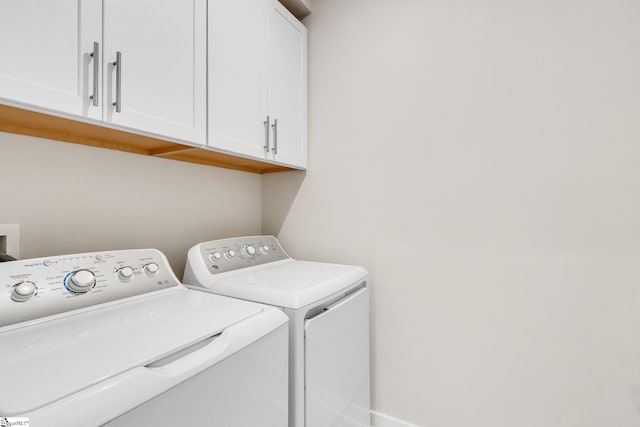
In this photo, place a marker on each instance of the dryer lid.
(288, 283)
(42, 363)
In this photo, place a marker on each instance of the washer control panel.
(240, 252)
(36, 288)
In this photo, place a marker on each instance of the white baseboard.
(382, 420)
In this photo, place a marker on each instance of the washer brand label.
(14, 422)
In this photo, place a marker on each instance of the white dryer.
(113, 338)
(328, 308)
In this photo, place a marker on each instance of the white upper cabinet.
(45, 49)
(159, 83)
(225, 75)
(287, 86)
(257, 81)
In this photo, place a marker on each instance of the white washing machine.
(328, 308)
(113, 338)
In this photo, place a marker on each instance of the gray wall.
(71, 198)
(482, 160)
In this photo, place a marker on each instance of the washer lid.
(42, 363)
(288, 283)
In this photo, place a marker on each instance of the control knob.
(151, 269)
(125, 273)
(23, 291)
(248, 251)
(264, 249)
(215, 256)
(81, 281)
(230, 254)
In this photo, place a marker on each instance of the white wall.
(71, 198)
(482, 160)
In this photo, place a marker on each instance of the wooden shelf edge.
(168, 151)
(26, 122)
(221, 162)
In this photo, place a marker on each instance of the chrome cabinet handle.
(266, 135)
(96, 71)
(118, 65)
(275, 136)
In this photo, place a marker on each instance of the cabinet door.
(45, 49)
(237, 76)
(162, 66)
(287, 86)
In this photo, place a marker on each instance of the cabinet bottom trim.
(26, 122)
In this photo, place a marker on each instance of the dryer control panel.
(225, 255)
(36, 288)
